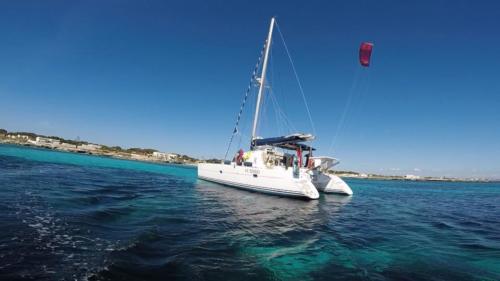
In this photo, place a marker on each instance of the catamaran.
(282, 165)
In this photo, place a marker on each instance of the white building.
(41, 141)
(164, 156)
(65, 146)
(18, 136)
(136, 156)
(412, 177)
(89, 147)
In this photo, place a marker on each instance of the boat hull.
(276, 181)
(331, 184)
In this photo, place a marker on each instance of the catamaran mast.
(262, 79)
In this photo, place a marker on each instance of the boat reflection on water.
(256, 208)
(284, 236)
(331, 206)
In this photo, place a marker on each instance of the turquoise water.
(68, 216)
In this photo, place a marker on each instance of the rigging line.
(291, 128)
(254, 73)
(274, 97)
(347, 106)
(284, 117)
(283, 125)
(271, 64)
(297, 77)
(245, 124)
(278, 91)
(263, 121)
(275, 105)
(281, 113)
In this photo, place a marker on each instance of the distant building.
(412, 177)
(65, 146)
(48, 142)
(164, 156)
(89, 147)
(18, 137)
(136, 156)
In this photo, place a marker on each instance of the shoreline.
(104, 155)
(153, 156)
(425, 179)
(195, 165)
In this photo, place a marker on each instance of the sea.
(66, 216)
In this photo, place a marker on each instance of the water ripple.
(68, 221)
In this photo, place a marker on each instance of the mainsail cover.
(287, 142)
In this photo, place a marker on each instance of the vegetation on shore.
(153, 155)
(135, 153)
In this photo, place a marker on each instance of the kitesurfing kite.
(365, 52)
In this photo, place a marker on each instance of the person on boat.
(239, 157)
(287, 160)
(296, 166)
(299, 156)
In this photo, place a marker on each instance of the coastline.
(194, 165)
(423, 179)
(153, 156)
(105, 155)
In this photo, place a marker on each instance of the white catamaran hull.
(331, 184)
(278, 181)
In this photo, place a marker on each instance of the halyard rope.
(254, 73)
(297, 77)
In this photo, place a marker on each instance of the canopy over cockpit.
(292, 142)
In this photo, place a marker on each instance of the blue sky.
(171, 75)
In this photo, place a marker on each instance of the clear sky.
(170, 75)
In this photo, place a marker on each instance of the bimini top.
(292, 142)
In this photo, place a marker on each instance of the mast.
(262, 79)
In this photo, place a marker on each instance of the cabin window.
(255, 175)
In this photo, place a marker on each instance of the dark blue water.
(66, 216)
